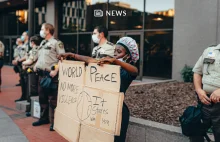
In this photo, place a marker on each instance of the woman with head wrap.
(126, 55)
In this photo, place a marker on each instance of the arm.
(126, 66)
(77, 57)
(22, 59)
(197, 80)
(28, 62)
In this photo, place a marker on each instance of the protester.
(32, 78)
(48, 51)
(126, 55)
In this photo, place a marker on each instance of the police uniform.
(32, 77)
(105, 49)
(2, 49)
(208, 66)
(47, 58)
(21, 54)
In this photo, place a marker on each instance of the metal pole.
(31, 7)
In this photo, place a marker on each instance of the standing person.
(18, 61)
(49, 49)
(99, 37)
(16, 56)
(28, 65)
(126, 55)
(25, 38)
(2, 49)
(207, 83)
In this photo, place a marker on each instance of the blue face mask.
(22, 38)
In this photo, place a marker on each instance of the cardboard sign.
(36, 112)
(81, 106)
(106, 77)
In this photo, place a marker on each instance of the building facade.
(149, 22)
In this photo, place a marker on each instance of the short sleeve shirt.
(106, 49)
(2, 48)
(47, 54)
(208, 66)
(126, 80)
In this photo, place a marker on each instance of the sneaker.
(41, 122)
(21, 99)
(28, 114)
(51, 127)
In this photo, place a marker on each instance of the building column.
(52, 14)
(31, 7)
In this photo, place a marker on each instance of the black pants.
(32, 87)
(210, 117)
(124, 124)
(48, 100)
(23, 76)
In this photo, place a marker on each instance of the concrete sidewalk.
(10, 93)
(9, 131)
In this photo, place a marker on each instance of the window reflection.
(70, 42)
(85, 44)
(159, 14)
(158, 54)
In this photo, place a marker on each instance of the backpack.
(191, 122)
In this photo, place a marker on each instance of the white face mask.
(22, 38)
(42, 34)
(95, 38)
(30, 45)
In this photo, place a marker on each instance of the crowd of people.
(38, 68)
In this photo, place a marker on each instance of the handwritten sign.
(70, 72)
(90, 134)
(101, 109)
(106, 77)
(80, 106)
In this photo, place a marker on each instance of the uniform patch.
(60, 44)
(211, 55)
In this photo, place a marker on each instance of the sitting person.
(126, 55)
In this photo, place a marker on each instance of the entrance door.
(138, 37)
(10, 44)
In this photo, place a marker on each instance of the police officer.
(2, 49)
(32, 78)
(18, 61)
(49, 49)
(99, 37)
(19, 44)
(207, 84)
(25, 38)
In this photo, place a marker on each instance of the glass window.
(70, 42)
(85, 44)
(68, 11)
(67, 24)
(73, 12)
(125, 14)
(159, 14)
(158, 54)
(40, 18)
